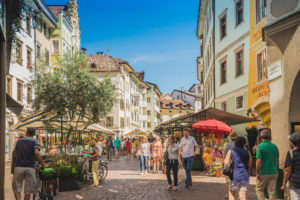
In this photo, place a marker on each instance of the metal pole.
(61, 134)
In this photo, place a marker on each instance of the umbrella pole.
(61, 135)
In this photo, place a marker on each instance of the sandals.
(169, 187)
(174, 189)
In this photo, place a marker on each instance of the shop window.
(239, 12)
(224, 106)
(223, 72)
(239, 102)
(28, 25)
(223, 27)
(20, 91)
(9, 85)
(19, 52)
(55, 47)
(29, 94)
(261, 66)
(261, 9)
(239, 63)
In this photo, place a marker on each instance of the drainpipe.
(214, 52)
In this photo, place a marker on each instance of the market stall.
(177, 125)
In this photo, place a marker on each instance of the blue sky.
(155, 36)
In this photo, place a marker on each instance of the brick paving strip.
(124, 181)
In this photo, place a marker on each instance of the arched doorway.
(294, 110)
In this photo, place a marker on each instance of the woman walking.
(292, 167)
(94, 155)
(239, 181)
(173, 159)
(133, 147)
(163, 151)
(128, 148)
(144, 155)
(156, 154)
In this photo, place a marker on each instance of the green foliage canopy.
(71, 90)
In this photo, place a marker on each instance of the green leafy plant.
(64, 172)
(72, 91)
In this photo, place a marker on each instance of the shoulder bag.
(165, 157)
(228, 169)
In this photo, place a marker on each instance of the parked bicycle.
(87, 171)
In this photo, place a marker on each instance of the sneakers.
(142, 173)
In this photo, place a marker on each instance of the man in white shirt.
(188, 152)
(100, 147)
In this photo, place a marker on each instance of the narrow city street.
(124, 181)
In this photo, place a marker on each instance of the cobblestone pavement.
(125, 182)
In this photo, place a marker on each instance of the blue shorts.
(117, 149)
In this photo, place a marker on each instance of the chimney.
(100, 53)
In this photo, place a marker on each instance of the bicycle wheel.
(102, 170)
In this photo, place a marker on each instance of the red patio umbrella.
(212, 126)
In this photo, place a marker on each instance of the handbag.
(165, 157)
(181, 174)
(228, 169)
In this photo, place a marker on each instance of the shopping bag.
(181, 174)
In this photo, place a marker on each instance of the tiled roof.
(104, 63)
(55, 9)
(140, 75)
(164, 96)
(175, 104)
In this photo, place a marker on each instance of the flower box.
(29, 66)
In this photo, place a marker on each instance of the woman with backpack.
(239, 180)
(292, 167)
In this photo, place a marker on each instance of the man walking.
(151, 140)
(110, 147)
(117, 143)
(188, 152)
(26, 150)
(267, 159)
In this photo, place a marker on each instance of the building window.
(9, 85)
(47, 56)
(122, 106)
(223, 27)
(20, 91)
(109, 121)
(122, 124)
(55, 47)
(170, 111)
(261, 66)
(144, 124)
(47, 33)
(149, 124)
(29, 57)
(239, 12)
(239, 69)
(40, 25)
(261, 9)
(19, 51)
(38, 51)
(223, 72)
(28, 25)
(239, 102)
(180, 111)
(148, 99)
(224, 106)
(29, 94)
(178, 96)
(149, 112)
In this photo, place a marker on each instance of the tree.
(73, 91)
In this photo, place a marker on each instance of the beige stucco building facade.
(282, 35)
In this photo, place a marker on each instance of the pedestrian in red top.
(128, 148)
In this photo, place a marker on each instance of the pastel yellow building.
(258, 87)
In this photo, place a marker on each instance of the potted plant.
(67, 178)
(29, 66)
(19, 61)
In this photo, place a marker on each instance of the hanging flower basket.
(29, 66)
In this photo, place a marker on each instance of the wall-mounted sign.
(275, 70)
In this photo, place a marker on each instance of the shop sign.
(274, 70)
